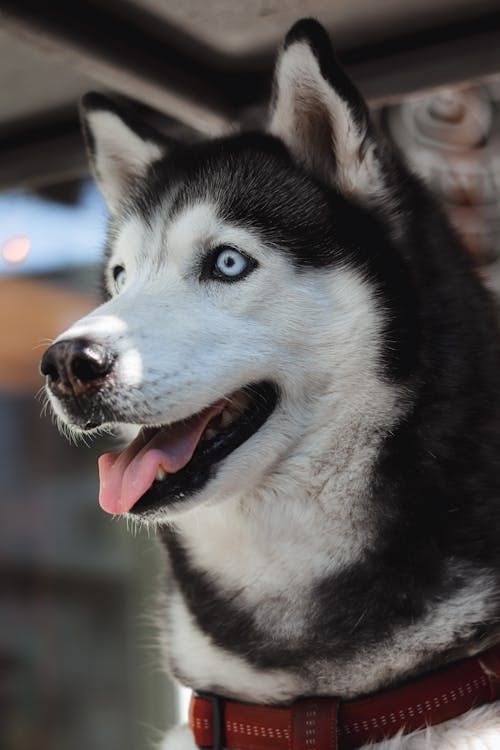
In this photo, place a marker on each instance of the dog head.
(254, 293)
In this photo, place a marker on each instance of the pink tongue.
(125, 476)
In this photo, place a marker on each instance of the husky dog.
(312, 370)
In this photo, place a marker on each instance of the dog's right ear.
(321, 116)
(120, 150)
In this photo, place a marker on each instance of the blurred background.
(80, 666)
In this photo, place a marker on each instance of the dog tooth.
(241, 401)
(226, 418)
(210, 433)
(160, 474)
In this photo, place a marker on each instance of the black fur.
(94, 101)
(356, 609)
(311, 32)
(436, 485)
(315, 225)
(437, 481)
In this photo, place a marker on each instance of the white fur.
(120, 154)
(196, 655)
(263, 526)
(318, 127)
(237, 341)
(272, 556)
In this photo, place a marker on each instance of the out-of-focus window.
(79, 659)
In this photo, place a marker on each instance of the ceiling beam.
(171, 73)
(120, 57)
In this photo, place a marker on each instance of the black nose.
(76, 365)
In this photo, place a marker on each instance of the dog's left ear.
(120, 148)
(320, 115)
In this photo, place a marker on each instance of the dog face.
(253, 299)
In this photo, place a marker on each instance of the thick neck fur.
(310, 518)
(368, 558)
(286, 592)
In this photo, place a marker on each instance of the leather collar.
(324, 723)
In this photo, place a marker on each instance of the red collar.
(331, 724)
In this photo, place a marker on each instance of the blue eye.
(119, 278)
(228, 264)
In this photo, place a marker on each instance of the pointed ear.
(120, 150)
(320, 115)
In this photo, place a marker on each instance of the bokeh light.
(16, 249)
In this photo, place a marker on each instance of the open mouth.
(166, 465)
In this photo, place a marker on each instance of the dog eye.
(119, 278)
(229, 264)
